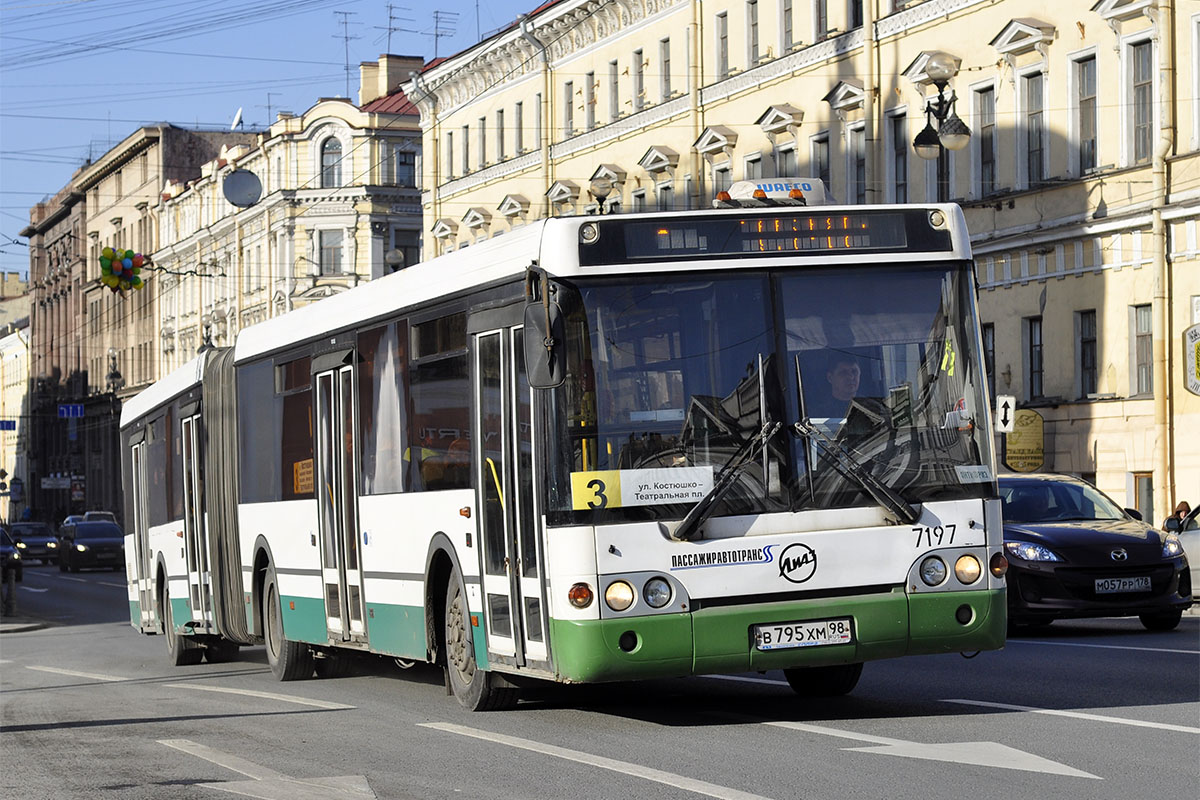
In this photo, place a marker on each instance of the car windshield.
(670, 376)
(7, 539)
(30, 529)
(96, 530)
(1055, 501)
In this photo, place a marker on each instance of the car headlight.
(1171, 546)
(657, 592)
(21, 545)
(83, 548)
(1028, 551)
(52, 545)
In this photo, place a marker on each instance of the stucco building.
(14, 411)
(1080, 180)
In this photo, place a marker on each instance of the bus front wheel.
(475, 689)
(832, 681)
(290, 661)
(182, 651)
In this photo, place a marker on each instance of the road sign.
(70, 410)
(1006, 409)
(8, 424)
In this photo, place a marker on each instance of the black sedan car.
(1073, 552)
(91, 544)
(36, 540)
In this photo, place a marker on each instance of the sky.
(77, 76)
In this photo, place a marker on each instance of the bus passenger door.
(141, 543)
(337, 504)
(195, 533)
(510, 544)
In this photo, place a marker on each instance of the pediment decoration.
(780, 118)
(563, 192)
(476, 218)
(610, 171)
(1113, 11)
(716, 139)
(513, 205)
(658, 159)
(444, 228)
(845, 96)
(1023, 35)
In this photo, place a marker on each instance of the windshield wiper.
(724, 481)
(851, 468)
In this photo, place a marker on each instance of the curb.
(21, 625)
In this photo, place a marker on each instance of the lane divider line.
(1165, 726)
(285, 698)
(1106, 646)
(74, 674)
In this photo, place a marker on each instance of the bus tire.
(182, 651)
(475, 689)
(833, 681)
(290, 661)
(221, 651)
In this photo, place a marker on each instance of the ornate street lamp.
(116, 381)
(950, 133)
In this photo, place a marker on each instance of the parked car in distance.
(35, 540)
(1073, 553)
(10, 557)
(91, 544)
(70, 520)
(99, 516)
(1188, 532)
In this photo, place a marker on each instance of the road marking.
(623, 767)
(90, 675)
(269, 784)
(1166, 726)
(1106, 646)
(115, 585)
(741, 679)
(983, 754)
(77, 580)
(286, 698)
(25, 588)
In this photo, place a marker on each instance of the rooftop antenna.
(346, 37)
(237, 120)
(444, 23)
(391, 27)
(269, 106)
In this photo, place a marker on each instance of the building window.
(614, 92)
(481, 124)
(785, 162)
(1085, 99)
(858, 164)
(330, 256)
(985, 111)
(1143, 347)
(820, 159)
(752, 168)
(855, 14)
(500, 153)
(1035, 151)
(589, 101)
(449, 154)
(639, 80)
(664, 59)
(466, 149)
(639, 200)
(785, 27)
(568, 108)
(519, 128)
(331, 163)
(1033, 357)
(722, 46)
(537, 120)
(1143, 494)
(752, 32)
(899, 126)
(408, 243)
(402, 167)
(820, 20)
(665, 193)
(989, 355)
(1087, 353)
(1142, 66)
(722, 179)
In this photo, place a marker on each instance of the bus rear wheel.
(290, 661)
(475, 689)
(182, 651)
(832, 681)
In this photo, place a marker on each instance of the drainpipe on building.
(432, 160)
(547, 100)
(695, 74)
(1162, 14)
(870, 80)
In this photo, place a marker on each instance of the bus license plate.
(783, 635)
(1114, 585)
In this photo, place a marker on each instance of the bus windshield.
(672, 376)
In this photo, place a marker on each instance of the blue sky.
(79, 75)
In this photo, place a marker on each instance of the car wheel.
(1161, 620)
(290, 661)
(832, 681)
(182, 651)
(475, 689)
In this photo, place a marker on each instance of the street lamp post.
(951, 132)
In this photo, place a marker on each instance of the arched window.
(331, 163)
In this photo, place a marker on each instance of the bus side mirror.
(545, 348)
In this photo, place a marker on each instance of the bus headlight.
(657, 592)
(967, 569)
(933, 571)
(619, 595)
(580, 595)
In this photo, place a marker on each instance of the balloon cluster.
(120, 269)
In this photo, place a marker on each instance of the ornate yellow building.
(1080, 179)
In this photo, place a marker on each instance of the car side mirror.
(1173, 525)
(1133, 512)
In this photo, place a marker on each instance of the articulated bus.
(599, 448)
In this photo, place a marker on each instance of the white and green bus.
(592, 449)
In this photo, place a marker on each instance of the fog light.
(998, 565)
(619, 595)
(964, 614)
(580, 595)
(967, 569)
(657, 592)
(628, 641)
(933, 571)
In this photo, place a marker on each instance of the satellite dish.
(242, 188)
(237, 119)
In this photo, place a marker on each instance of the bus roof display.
(787, 232)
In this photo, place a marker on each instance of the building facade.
(339, 204)
(14, 412)
(1080, 179)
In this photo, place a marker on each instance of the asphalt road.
(91, 709)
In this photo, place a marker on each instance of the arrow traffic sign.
(1006, 409)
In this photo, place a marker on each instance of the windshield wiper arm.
(850, 467)
(724, 481)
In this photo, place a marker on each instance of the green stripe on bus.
(135, 614)
(936, 630)
(304, 619)
(397, 630)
